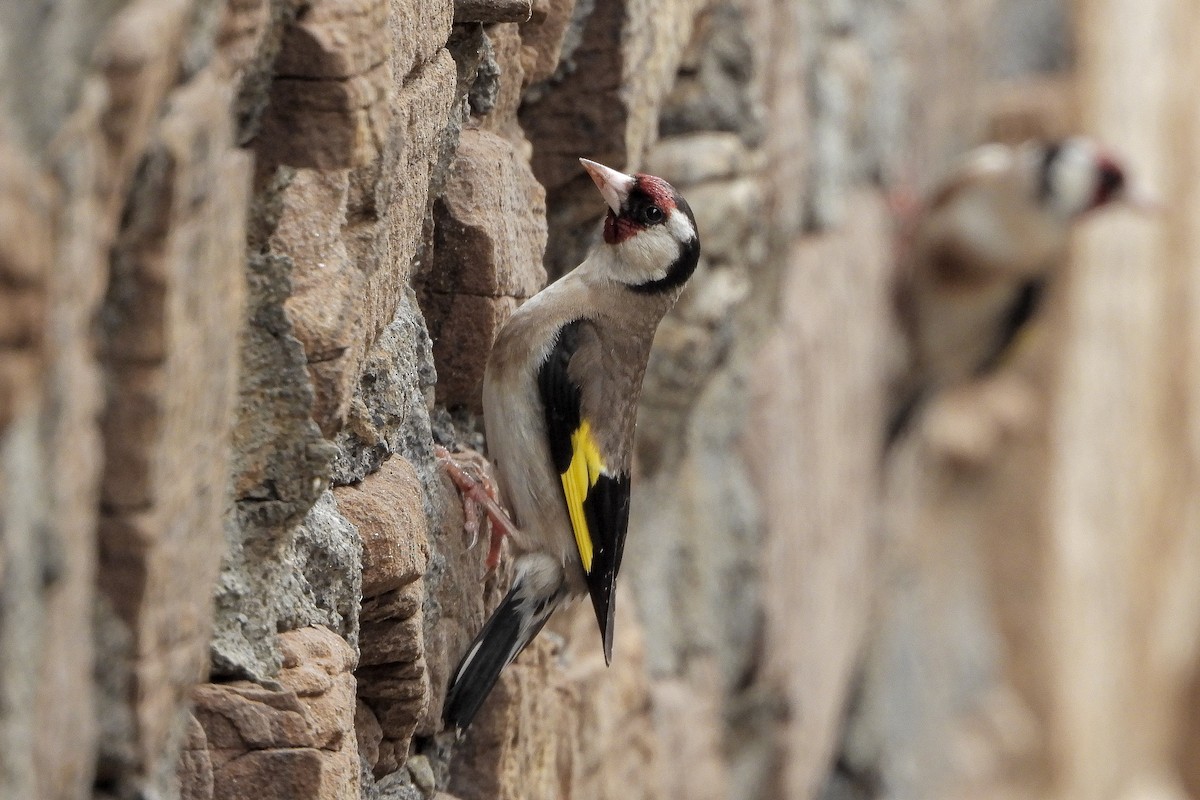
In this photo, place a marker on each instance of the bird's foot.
(969, 425)
(469, 472)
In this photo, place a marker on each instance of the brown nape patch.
(948, 191)
(661, 193)
(952, 272)
(618, 229)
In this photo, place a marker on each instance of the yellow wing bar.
(581, 475)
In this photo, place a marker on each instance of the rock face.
(295, 742)
(253, 254)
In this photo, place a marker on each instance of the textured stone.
(170, 322)
(419, 28)
(40, 104)
(388, 512)
(393, 684)
(488, 11)
(391, 641)
(248, 38)
(296, 742)
(389, 413)
(712, 91)
(399, 786)
(240, 716)
(368, 732)
(497, 93)
(287, 774)
(462, 341)
(389, 199)
(50, 463)
(26, 239)
(195, 772)
(491, 223)
(457, 592)
(488, 244)
(326, 124)
(396, 604)
(244, 25)
(85, 116)
(321, 582)
(280, 457)
(329, 97)
(326, 286)
(392, 676)
(563, 719)
(305, 574)
(364, 226)
(542, 38)
(334, 40)
(317, 666)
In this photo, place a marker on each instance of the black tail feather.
(505, 635)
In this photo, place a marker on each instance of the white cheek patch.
(1073, 178)
(680, 227)
(648, 254)
(989, 159)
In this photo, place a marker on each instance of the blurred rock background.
(253, 253)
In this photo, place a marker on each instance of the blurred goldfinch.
(978, 257)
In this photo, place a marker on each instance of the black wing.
(596, 497)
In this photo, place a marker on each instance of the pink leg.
(477, 494)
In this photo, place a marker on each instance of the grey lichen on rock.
(281, 460)
(322, 579)
(390, 409)
(281, 467)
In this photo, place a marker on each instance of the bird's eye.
(652, 215)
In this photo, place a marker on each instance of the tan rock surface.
(28, 250)
(469, 325)
(542, 38)
(822, 540)
(170, 410)
(296, 742)
(489, 239)
(328, 106)
(560, 718)
(326, 287)
(387, 510)
(195, 772)
(394, 690)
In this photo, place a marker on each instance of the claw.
(471, 511)
(478, 493)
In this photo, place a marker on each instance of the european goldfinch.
(560, 396)
(978, 257)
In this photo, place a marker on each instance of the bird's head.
(649, 230)
(1076, 175)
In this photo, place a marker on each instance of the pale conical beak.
(614, 186)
